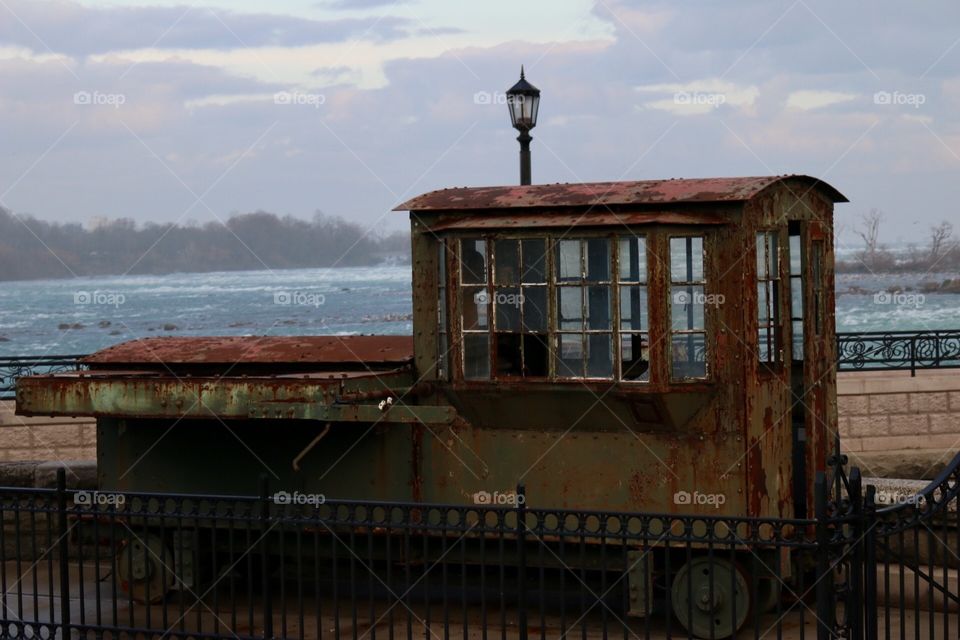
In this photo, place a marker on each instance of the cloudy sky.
(191, 110)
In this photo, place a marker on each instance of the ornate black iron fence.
(123, 565)
(898, 350)
(869, 351)
(12, 368)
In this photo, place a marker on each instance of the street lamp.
(523, 99)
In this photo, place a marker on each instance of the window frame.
(458, 333)
(520, 286)
(669, 284)
(583, 285)
(797, 279)
(772, 282)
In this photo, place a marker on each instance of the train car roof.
(275, 350)
(600, 194)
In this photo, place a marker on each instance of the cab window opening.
(475, 309)
(769, 349)
(796, 292)
(688, 334)
(520, 307)
(597, 328)
(634, 327)
(584, 308)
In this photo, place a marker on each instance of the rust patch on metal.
(757, 478)
(599, 218)
(416, 462)
(275, 351)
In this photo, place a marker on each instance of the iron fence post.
(870, 561)
(824, 577)
(63, 550)
(265, 557)
(522, 561)
(913, 356)
(855, 604)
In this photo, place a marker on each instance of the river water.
(82, 315)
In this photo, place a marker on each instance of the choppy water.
(85, 314)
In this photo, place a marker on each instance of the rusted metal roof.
(567, 219)
(598, 194)
(260, 350)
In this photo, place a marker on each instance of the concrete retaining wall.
(896, 426)
(45, 438)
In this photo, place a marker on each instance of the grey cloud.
(64, 26)
(359, 4)
(424, 130)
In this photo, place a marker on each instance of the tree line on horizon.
(940, 253)
(34, 249)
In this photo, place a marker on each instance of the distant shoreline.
(389, 261)
(403, 260)
(33, 249)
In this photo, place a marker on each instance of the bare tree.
(869, 232)
(939, 238)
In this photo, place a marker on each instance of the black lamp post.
(523, 99)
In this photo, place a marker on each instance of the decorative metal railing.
(12, 368)
(105, 564)
(898, 350)
(866, 351)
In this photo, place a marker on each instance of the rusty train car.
(657, 346)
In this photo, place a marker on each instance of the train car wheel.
(144, 566)
(768, 594)
(705, 611)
